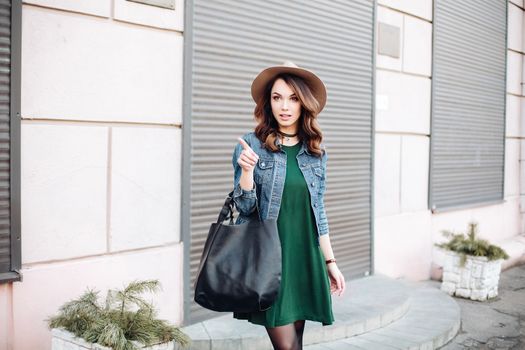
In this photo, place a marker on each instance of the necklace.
(287, 136)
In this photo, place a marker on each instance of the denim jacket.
(269, 175)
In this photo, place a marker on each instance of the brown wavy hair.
(308, 130)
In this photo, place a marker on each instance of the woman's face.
(286, 106)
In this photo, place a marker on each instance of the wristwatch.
(330, 261)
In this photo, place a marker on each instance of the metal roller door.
(10, 23)
(231, 42)
(468, 103)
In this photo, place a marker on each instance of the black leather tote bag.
(240, 266)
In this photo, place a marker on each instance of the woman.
(282, 165)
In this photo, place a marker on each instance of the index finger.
(246, 146)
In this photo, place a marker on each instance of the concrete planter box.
(64, 340)
(477, 280)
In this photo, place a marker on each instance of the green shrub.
(114, 324)
(470, 245)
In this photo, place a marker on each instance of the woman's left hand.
(337, 280)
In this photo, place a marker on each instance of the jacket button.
(262, 164)
(313, 184)
(304, 164)
(315, 205)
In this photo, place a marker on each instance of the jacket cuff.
(240, 192)
(324, 230)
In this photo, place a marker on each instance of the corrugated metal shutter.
(231, 44)
(5, 71)
(468, 103)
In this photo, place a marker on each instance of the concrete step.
(369, 303)
(432, 320)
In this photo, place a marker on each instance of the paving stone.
(496, 324)
(367, 344)
(400, 342)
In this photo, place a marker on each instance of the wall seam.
(109, 158)
(109, 18)
(405, 13)
(101, 255)
(48, 121)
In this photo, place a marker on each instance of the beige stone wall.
(405, 229)
(516, 101)
(402, 243)
(101, 158)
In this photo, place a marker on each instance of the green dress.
(305, 287)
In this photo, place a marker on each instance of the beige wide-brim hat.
(313, 81)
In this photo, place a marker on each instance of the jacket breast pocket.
(263, 171)
(318, 172)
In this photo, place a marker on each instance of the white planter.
(64, 340)
(477, 280)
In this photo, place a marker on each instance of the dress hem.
(289, 320)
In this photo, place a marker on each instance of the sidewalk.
(496, 324)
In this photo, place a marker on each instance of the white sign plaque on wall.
(168, 4)
(388, 40)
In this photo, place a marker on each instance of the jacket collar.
(304, 148)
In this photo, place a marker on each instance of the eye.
(275, 98)
(294, 98)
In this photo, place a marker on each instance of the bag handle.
(227, 210)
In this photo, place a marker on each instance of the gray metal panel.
(231, 44)
(468, 103)
(10, 54)
(5, 71)
(185, 221)
(15, 116)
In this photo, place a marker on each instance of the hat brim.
(315, 84)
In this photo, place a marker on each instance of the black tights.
(287, 337)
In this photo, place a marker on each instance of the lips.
(285, 116)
